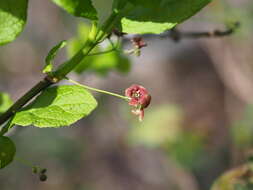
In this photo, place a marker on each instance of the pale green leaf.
(13, 15)
(137, 27)
(5, 102)
(51, 55)
(7, 151)
(148, 16)
(79, 8)
(57, 107)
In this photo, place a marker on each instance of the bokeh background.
(199, 124)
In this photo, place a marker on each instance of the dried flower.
(139, 98)
(138, 42)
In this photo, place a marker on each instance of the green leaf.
(5, 102)
(7, 151)
(13, 15)
(51, 55)
(148, 16)
(242, 130)
(79, 8)
(57, 107)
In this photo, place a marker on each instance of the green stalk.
(109, 25)
(6, 127)
(99, 90)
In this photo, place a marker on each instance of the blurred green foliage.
(162, 125)
(240, 178)
(188, 150)
(162, 128)
(242, 130)
(100, 64)
(5, 102)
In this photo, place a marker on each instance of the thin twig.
(114, 48)
(103, 52)
(98, 90)
(177, 35)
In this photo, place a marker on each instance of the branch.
(58, 75)
(24, 99)
(177, 35)
(94, 38)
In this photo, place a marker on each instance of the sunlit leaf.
(57, 107)
(51, 55)
(5, 102)
(13, 16)
(79, 8)
(148, 16)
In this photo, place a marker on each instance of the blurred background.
(199, 123)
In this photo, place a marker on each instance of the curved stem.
(98, 90)
(24, 162)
